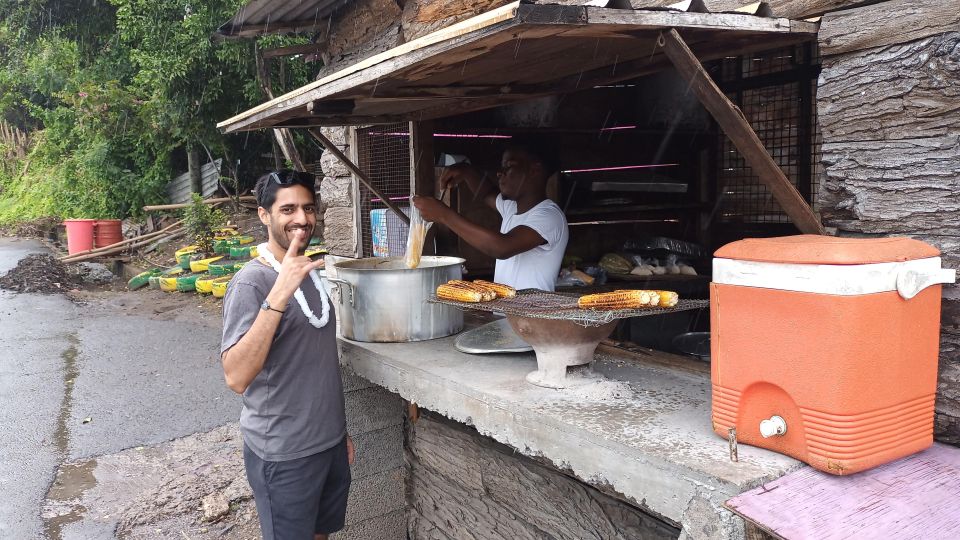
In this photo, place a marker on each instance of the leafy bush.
(200, 220)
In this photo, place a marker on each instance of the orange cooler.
(825, 349)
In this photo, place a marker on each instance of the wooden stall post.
(423, 180)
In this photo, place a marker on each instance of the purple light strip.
(621, 168)
(471, 136)
(448, 135)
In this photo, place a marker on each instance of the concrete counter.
(640, 429)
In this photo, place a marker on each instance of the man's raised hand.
(455, 174)
(294, 267)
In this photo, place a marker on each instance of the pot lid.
(816, 249)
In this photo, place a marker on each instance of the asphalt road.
(81, 381)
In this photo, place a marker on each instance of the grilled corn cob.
(668, 298)
(458, 294)
(486, 293)
(619, 300)
(503, 291)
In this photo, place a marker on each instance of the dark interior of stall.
(649, 185)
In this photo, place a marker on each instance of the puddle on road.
(64, 500)
(63, 504)
(61, 436)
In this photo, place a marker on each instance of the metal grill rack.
(536, 304)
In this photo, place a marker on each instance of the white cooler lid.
(830, 265)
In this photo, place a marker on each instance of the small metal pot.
(381, 300)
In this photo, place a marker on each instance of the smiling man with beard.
(279, 351)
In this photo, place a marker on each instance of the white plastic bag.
(415, 237)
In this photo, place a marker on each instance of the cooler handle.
(911, 282)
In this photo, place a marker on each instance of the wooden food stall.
(650, 149)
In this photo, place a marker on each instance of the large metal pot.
(381, 300)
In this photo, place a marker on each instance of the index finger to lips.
(295, 242)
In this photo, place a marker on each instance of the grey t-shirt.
(294, 407)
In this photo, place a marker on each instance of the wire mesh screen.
(383, 153)
(776, 91)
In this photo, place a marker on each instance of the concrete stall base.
(639, 431)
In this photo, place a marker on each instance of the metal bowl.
(694, 343)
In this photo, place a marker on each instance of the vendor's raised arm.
(480, 186)
(532, 236)
(491, 242)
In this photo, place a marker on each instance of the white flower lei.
(264, 251)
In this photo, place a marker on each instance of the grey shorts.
(301, 497)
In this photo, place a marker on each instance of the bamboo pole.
(122, 243)
(116, 248)
(205, 201)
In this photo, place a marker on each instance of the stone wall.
(462, 485)
(376, 509)
(336, 195)
(888, 105)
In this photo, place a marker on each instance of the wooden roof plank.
(442, 39)
(508, 46)
(640, 20)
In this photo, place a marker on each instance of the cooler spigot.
(775, 426)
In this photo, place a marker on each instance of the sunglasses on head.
(287, 178)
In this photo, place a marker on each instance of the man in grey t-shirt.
(279, 351)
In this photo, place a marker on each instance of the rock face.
(420, 17)
(340, 231)
(464, 485)
(95, 273)
(891, 141)
(362, 29)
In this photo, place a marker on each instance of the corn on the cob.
(486, 293)
(629, 299)
(458, 294)
(668, 298)
(503, 291)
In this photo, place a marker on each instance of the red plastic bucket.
(107, 232)
(79, 234)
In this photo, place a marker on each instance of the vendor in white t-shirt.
(533, 235)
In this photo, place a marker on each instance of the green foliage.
(200, 220)
(112, 93)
